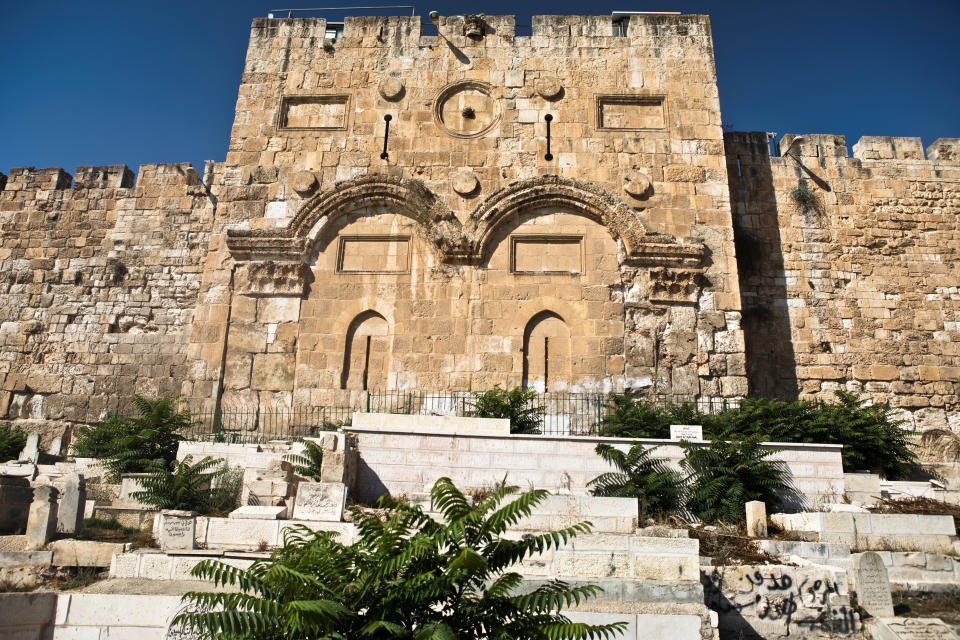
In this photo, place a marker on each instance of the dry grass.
(919, 506)
(729, 545)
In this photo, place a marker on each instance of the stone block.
(84, 553)
(756, 519)
(31, 451)
(320, 501)
(241, 533)
(254, 512)
(910, 629)
(73, 499)
(273, 372)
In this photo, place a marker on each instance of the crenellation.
(945, 151)
(116, 176)
(31, 178)
(888, 148)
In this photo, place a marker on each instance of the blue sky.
(90, 83)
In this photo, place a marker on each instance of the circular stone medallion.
(548, 88)
(466, 109)
(637, 184)
(391, 89)
(465, 182)
(304, 182)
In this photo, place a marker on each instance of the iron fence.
(560, 413)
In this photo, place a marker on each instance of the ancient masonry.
(561, 210)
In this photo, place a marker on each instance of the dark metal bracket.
(386, 134)
(548, 156)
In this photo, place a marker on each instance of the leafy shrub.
(727, 474)
(872, 437)
(517, 404)
(634, 416)
(12, 441)
(657, 488)
(135, 445)
(407, 576)
(308, 463)
(192, 486)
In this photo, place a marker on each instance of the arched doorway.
(366, 353)
(546, 353)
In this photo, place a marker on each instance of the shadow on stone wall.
(771, 365)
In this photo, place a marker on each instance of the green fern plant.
(725, 475)
(406, 577)
(516, 404)
(186, 485)
(12, 441)
(139, 444)
(657, 489)
(309, 462)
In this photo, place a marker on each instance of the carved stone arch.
(587, 199)
(410, 198)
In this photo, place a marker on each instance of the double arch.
(455, 242)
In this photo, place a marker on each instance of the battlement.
(943, 151)
(114, 176)
(407, 30)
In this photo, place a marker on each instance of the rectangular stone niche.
(374, 254)
(630, 113)
(546, 254)
(314, 112)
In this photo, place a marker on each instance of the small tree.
(517, 404)
(657, 488)
(12, 441)
(406, 577)
(726, 475)
(206, 486)
(309, 462)
(143, 443)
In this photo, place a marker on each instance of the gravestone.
(686, 432)
(756, 519)
(31, 451)
(873, 585)
(42, 521)
(73, 501)
(177, 529)
(320, 501)
(911, 629)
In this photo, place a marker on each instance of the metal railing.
(560, 413)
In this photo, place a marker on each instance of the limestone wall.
(856, 288)
(464, 257)
(99, 286)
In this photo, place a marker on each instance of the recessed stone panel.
(314, 112)
(547, 254)
(631, 113)
(374, 254)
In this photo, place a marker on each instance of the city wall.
(850, 269)
(99, 275)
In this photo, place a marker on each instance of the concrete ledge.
(85, 553)
(403, 423)
(25, 558)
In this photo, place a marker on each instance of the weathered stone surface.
(911, 629)
(323, 501)
(253, 512)
(42, 521)
(873, 586)
(756, 519)
(73, 500)
(84, 553)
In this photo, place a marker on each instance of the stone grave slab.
(320, 501)
(873, 585)
(178, 529)
(911, 629)
(686, 432)
(255, 512)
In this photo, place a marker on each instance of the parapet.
(27, 178)
(814, 145)
(945, 151)
(888, 148)
(116, 176)
(168, 174)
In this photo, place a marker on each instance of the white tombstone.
(73, 500)
(323, 501)
(177, 529)
(256, 512)
(686, 432)
(756, 519)
(42, 520)
(31, 452)
(873, 585)
(911, 629)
